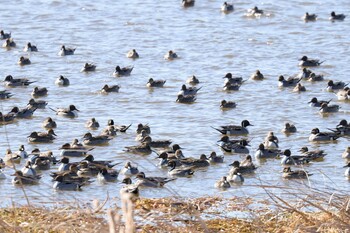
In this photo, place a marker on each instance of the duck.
(132, 54)
(141, 127)
(255, 11)
(155, 83)
(23, 61)
(325, 108)
(70, 112)
(38, 104)
(235, 129)
(195, 163)
(306, 62)
(247, 162)
(289, 160)
(74, 149)
(192, 80)
(233, 80)
(109, 131)
(4, 94)
(297, 174)
(4, 36)
(175, 148)
(263, 153)
(11, 158)
(239, 148)
(343, 127)
(315, 77)
(7, 118)
(227, 104)
(125, 71)
(143, 148)
(170, 55)
(30, 48)
(346, 153)
(129, 192)
(9, 43)
(343, 94)
(236, 166)
(66, 51)
(92, 124)
(235, 177)
(187, 3)
(186, 99)
(257, 75)
(20, 179)
(42, 137)
(49, 123)
(299, 88)
(39, 92)
(88, 67)
(41, 164)
(141, 136)
(338, 17)
(312, 155)
(188, 91)
(129, 170)
(290, 82)
(23, 113)
(271, 141)
(227, 8)
(156, 143)
(335, 86)
(289, 128)
(154, 182)
(223, 183)
(90, 159)
(347, 171)
(108, 89)
(305, 73)
(62, 81)
(65, 164)
(314, 102)
(62, 185)
(28, 170)
(22, 152)
(90, 140)
(226, 141)
(45, 156)
(309, 17)
(179, 171)
(231, 87)
(70, 175)
(214, 158)
(107, 175)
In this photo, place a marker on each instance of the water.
(209, 45)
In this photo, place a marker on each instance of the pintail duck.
(227, 8)
(193, 80)
(28, 170)
(11, 158)
(22, 152)
(39, 92)
(263, 153)
(255, 12)
(195, 163)
(71, 175)
(107, 175)
(88, 67)
(305, 61)
(7, 118)
(343, 127)
(344, 94)
(143, 148)
(170, 55)
(20, 179)
(179, 171)
(335, 16)
(213, 158)
(235, 177)
(23, 61)
(325, 108)
(62, 185)
(235, 129)
(233, 80)
(187, 3)
(141, 136)
(86, 170)
(42, 137)
(62, 81)
(314, 102)
(71, 111)
(90, 140)
(125, 71)
(222, 183)
(23, 113)
(227, 104)
(65, 164)
(312, 155)
(257, 75)
(109, 89)
(315, 77)
(334, 86)
(129, 170)
(41, 164)
(271, 141)
(9, 43)
(154, 182)
(38, 104)
(346, 153)
(239, 148)
(289, 128)
(109, 131)
(30, 48)
(74, 149)
(4, 36)
(287, 159)
(132, 54)
(188, 91)
(157, 143)
(45, 156)
(175, 148)
(129, 192)
(141, 127)
(49, 123)
(305, 73)
(248, 162)
(290, 82)
(309, 17)
(66, 51)
(231, 87)
(92, 124)
(15, 82)
(299, 88)
(297, 174)
(155, 83)
(5, 95)
(90, 159)
(236, 165)
(187, 99)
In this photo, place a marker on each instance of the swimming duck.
(125, 71)
(61, 184)
(109, 131)
(347, 171)
(314, 102)
(100, 164)
(23, 61)
(290, 82)
(255, 11)
(288, 159)
(309, 17)
(227, 8)
(226, 141)
(10, 157)
(23, 113)
(334, 86)
(289, 128)
(7, 118)
(335, 16)
(187, 99)
(155, 143)
(193, 162)
(132, 54)
(271, 141)
(213, 158)
(42, 137)
(9, 43)
(22, 152)
(107, 175)
(175, 148)
(28, 170)
(235, 177)
(15, 82)
(70, 175)
(66, 51)
(235, 129)
(4, 35)
(188, 91)
(239, 148)
(20, 179)
(179, 171)
(305, 61)
(141, 136)
(41, 164)
(305, 73)
(32, 103)
(312, 155)
(5, 95)
(257, 75)
(325, 108)
(344, 94)
(192, 80)
(297, 174)
(65, 164)
(227, 104)
(30, 48)
(236, 166)
(39, 92)
(88, 67)
(92, 124)
(231, 87)
(346, 153)
(154, 182)
(49, 123)
(71, 111)
(222, 183)
(187, 3)
(129, 170)
(247, 162)
(263, 153)
(74, 149)
(233, 80)
(90, 140)
(315, 77)
(129, 192)
(62, 81)
(170, 55)
(155, 83)
(299, 88)
(109, 89)
(141, 127)
(143, 148)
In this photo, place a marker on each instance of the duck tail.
(220, 130)
(53, 109)
(126, 128)
(321, 62)
(346, 84)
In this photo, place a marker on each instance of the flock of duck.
(73, 175)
